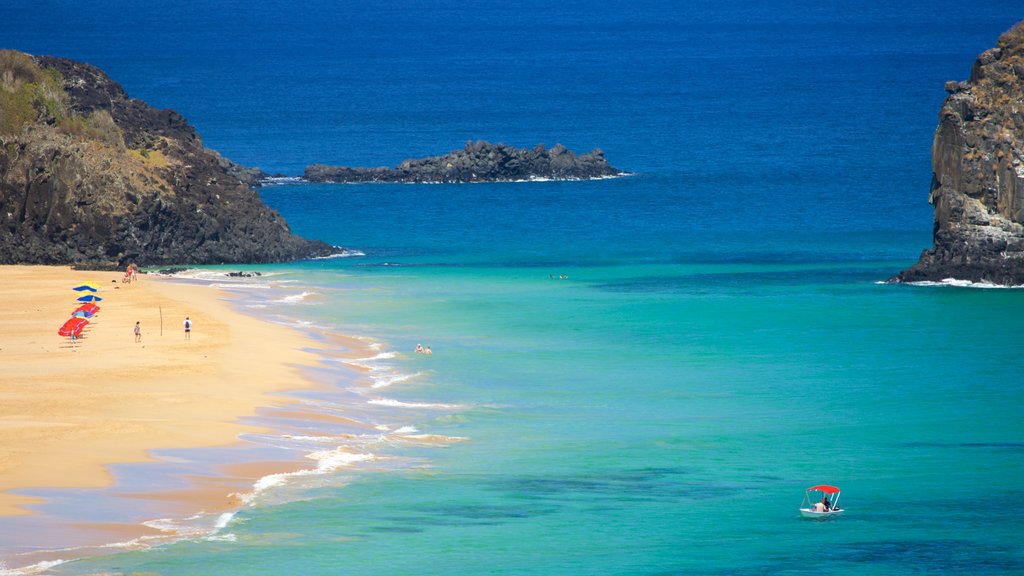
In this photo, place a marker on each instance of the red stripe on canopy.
(73, 327)
(825, 488)
(90, 308)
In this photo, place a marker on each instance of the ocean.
(639, 375)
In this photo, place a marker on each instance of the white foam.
(302, 324)
(400, 404)
(200, 525)
(369, 363)
(499, 181)
(327, 461)
(162, 524)
(545, 179)
(133, 543)
(39, 568)
(313, 439)
(386, 435)
(223, 520)
(435, 438)
(184, 528)
(295, 298)
(345, 253)
(265, 483)
(379, 356)
(331, 460)
(238, 286)
(282, 180)
(218, 275)
(953, 282)
(385, 381)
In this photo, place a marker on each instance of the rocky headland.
(92, 177)
(478, 162)
(978, 174)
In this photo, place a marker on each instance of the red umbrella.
(73, 327)
(89, 308)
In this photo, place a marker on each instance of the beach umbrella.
(85, 287)
(82, 314)
(89, 298)
(90, 308)
(73, 327)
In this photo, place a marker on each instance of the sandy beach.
(68, 412)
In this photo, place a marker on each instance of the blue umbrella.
(82, 314)
(90, 298)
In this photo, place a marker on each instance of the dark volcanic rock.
(978, 174)
(170, 271)
(478, 162)
(91, 176)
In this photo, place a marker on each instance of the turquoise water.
(722, 340)
(647, 415)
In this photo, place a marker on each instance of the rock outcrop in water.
(478, 162)
(978, 174)
(90, 176)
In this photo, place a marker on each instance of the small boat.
(821, 501)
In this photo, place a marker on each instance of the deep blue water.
(801, 112)
(721, 341)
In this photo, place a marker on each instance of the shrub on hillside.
(97, 126)
(28, 93)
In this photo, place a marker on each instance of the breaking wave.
(953, 282)
(400, 404)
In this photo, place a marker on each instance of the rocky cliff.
(978, 174)
(91, 176)
(478, 162)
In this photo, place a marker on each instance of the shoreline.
(301, 180)
(104, 416)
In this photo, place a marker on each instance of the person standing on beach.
(188, 328)
(138, 332)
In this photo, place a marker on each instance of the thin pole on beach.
(161, 320)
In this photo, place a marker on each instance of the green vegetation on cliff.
(28, 94)
(91, 176)
(31, 95)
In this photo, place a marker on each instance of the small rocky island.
(89, 176)
(978, 174)
(478, 162)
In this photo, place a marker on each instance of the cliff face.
(91, 176)
(978, 173)
(478, 162)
